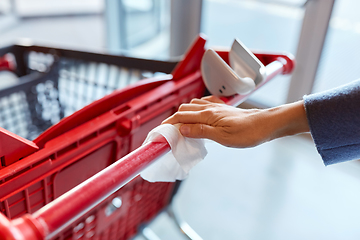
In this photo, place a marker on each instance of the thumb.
(197, 131)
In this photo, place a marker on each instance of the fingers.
(213, 99)
(198, 131)
(185, 117)
(192, 107)
(200, 104)
(207, 99)
(198, 101)
(193, 112)
(187, 113)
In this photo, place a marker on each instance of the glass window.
(340, 60)
(259, 25)
(139, 28)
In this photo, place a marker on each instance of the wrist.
(288, 119)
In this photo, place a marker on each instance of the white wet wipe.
(175, 165)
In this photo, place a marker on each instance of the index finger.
(184, 117)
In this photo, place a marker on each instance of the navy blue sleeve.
(334, 120)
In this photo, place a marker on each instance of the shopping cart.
(62, 179)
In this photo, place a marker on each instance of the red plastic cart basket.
(67, 183)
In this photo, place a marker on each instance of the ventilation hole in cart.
(78, 227)
(2, 159)
(78, 236)
(90, 220)
(78, 231)
(113, 206)
(137, 197)
(90, 234)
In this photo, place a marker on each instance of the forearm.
(286, 120)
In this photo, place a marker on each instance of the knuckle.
(175, 116)
(207, 113)
(201, 130)
(194, 100)
(182, 106)
(209, 98)
(214, 99)
(206, 97)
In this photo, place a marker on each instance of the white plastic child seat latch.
(241, 77)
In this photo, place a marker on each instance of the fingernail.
(185, 130)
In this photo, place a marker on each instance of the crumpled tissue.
(175, 165)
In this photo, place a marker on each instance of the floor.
(279, 190)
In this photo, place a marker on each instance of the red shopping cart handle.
(65, 210)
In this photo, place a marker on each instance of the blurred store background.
(279, 190)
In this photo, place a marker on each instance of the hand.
(210, 118)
